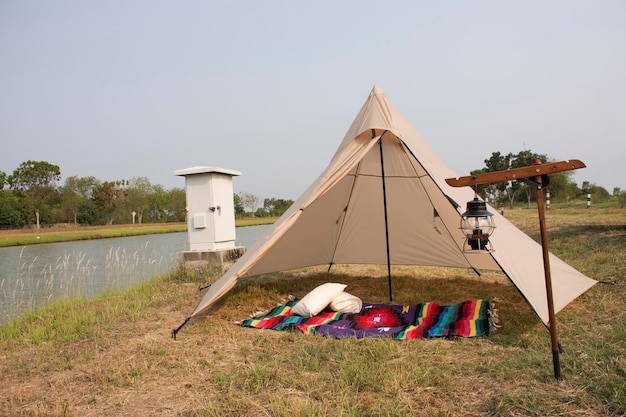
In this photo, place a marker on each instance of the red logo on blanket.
(377, 317)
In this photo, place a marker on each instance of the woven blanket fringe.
(494, 320)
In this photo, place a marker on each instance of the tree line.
(247, 205)
(32, 196)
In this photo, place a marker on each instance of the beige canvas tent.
(384, 197)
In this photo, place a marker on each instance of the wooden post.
(554, 342)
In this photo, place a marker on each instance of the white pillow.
(346, 303)
(317, 299)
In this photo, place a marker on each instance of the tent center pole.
(382, 169)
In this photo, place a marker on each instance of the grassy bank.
(114, 355)
(66, 234)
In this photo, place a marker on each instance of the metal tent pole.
(382, 168)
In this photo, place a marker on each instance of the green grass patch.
(255, 221)
(52, 235)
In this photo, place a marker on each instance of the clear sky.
(123, 89)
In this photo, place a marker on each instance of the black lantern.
(477, 223)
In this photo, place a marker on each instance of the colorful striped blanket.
(467, 319)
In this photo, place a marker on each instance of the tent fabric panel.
(334, 175)
(339, 167)
(310, 241)
(395, 159)
(362, 237)
(447, 221)
(451, 216)
(521, 258)
(410, 215)
(564, 276)
(415, 239)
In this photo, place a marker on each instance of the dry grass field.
(113, 356)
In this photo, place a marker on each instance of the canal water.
(34, 275)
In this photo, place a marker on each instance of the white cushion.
(316, 300)
(346, 303)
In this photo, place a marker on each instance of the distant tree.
(177, 207)
(75, 194)
(108, 197)
(249, 201)
(36, 181)
(275, 207)
(261, 212)
(160, 200)
(621, 198)
(87, 213)
(523, 159)
(495, 191)
(11, 211)
(562, 186)
(3, 180)
(239, 209)
(138, 197)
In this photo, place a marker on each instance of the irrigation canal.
(34, 275)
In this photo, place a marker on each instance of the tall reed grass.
(75, 275)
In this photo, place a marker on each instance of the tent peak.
(376, 91)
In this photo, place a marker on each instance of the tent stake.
(176, 330)
(382, 169)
